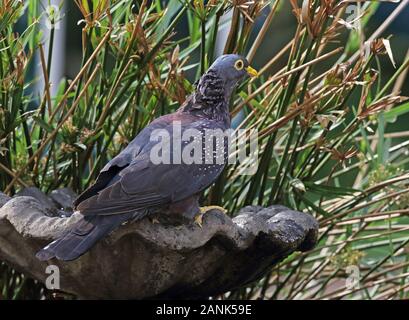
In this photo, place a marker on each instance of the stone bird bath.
(153, 260)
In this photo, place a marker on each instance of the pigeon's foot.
(154, 220)
(203, 210)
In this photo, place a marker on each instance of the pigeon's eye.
(239, 65)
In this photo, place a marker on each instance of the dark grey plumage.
(131, 186)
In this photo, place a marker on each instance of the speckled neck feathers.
(211, 98)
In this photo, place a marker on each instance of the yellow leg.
(203, 210)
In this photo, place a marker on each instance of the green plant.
(321, 112)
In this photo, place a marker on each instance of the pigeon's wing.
(110, 173)
(143, 184)
(107, 174)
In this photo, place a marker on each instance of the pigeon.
(134, 184)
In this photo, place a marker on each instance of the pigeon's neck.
(211, 98)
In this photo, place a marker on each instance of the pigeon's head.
(232, 68)
(215, 87)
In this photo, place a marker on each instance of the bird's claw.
(155, 221)
(199, 220)
(204, 210)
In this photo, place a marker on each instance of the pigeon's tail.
(84, 234)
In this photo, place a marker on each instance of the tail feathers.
(82, 237)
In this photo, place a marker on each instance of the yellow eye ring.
(239, 65)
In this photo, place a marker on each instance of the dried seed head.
(67, 148)
(337, 75)
(381, 47)
(314, 20)
(377, 47)
(249, 9)
(347, 258)
(380, 105)
(69, 129)
(86, 134)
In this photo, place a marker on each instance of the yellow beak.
(251, 72)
